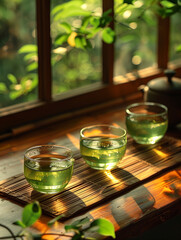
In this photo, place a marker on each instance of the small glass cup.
(146, 122)
(48, 168)
(102, 146)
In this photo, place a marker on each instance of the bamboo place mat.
(89, 187)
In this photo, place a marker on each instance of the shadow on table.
(65, 202)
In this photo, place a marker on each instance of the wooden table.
(152, 198)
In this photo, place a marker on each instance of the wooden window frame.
(26, 115)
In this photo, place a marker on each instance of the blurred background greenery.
(77, 30)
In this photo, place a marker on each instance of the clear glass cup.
(146, 122)
(103, 146)
(48, 168)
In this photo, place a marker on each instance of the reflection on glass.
(73, 67)
(175, 37)
(18, 52)
(135, 46)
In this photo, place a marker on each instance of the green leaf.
(58, 8)
(12, 78)
(32, 66)
(79, 42)
(23, 82)
(31, 213)
(66, 26)
(69, 9)
(178, 48)
(34, 80)
(95, 22)
(61, 39)
(120, 8)
(108, 35)
(3, 87)
(83, 31)
(72, 12)
(28, 48)
(105, 227)
(105, 21)
(15, 94)
(67, 5)
(166, 12)
(19, 223)
(31, 57)
(106, 18)
(179, 2)
(106, 13)
(85, 21)
(167, 4)
(51, 222)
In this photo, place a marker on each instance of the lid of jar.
(166, 85)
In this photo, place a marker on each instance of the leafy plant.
(80, 229)
(66, 37)
(168, 8)
(31, 213)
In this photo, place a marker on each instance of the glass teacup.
(48, 168)
(146, 122)
(102, 146)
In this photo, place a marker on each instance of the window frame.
(27, 115)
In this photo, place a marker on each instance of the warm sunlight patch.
(74, 140)
(111, 177)
(160, 153)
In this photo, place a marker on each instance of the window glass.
(73, 67)
(18, 52)
(175, 37)
(136, 29)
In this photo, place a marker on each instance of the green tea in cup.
(146, 122)
(102, 146)
(48, 168)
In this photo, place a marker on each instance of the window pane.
(135, 46)
(175, 38)
(73, 67)
(18, 52)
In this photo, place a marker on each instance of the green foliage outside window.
(66, 39)
(16, 83)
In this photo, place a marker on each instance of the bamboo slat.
(89, 187)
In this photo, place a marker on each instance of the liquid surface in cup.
(48, 174)
(102, 153)
(146, 131)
